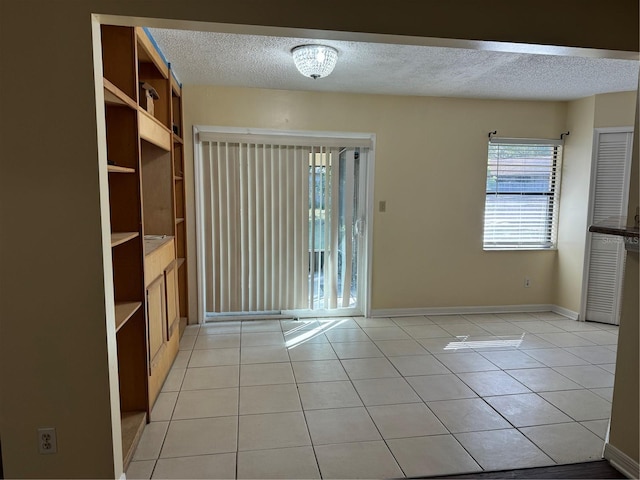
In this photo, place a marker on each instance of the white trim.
(307, 138)
(409, 312)
(367, 140)
(566, 312)
(621, 461)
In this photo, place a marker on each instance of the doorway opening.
(283, 224)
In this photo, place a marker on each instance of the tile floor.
(381, 398)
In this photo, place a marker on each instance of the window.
(521, 202)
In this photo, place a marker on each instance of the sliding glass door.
(282, 225)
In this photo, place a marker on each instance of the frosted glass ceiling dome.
(315, 61)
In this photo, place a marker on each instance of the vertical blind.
(521, 202)
(278, 225)
(256, 226)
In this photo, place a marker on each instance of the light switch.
(382, 206)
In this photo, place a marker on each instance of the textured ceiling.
(205, 58)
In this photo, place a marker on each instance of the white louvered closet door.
(606, 253)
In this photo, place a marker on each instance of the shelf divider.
(124, 311)
(118, 238)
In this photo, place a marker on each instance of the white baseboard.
(566, 312)
(621, 461)
(410, 312)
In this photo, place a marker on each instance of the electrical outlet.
(382, 206)
(47, 441)
(527, 282)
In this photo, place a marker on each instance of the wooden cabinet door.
(171, 287)
(156, 318)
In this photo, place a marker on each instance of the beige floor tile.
(323, 395)
(555, 357)
(360, 368)
(395, 348)
(205, 378)
(461, 329)
(261, 326)
(589, 376)
(565, 339)
(272, 430)
(173, 382)
(430, 456)
(332, 323)
(220, 328)
(151, 441)
(606, 393)
(408, 321)
(599, 427)
(527, 410)
(426, 331)
(221, 402)
(447, 319)
(293, 326)
(269, 399)
(365, 322)
(385, 391)
(406, 420)
(566, 442)
(221, 466)
(296, 462)
(140, 470)
(187, 342)
(214, 357)
(357, 460)
(356, 350)
(182, 359)
(465, 362)
(341, 425)
(467, 415)
(202, 436)
(264, 354)
(503, 328)
(440, 387)
(414, 365)
(575, 326)
(163, 409)
(550, 316)
(539, 326)
(543, 379)
(441, 344)
(609, 367)
(580, 405)
(516, 317)
(503, 450)
(312, 351)
(531, 341)
(386, 333)
(597, 355)
(319, 371)
(511, 359)
(191, 330)
(205, 342)
(256, 339)
(266, 374)
(492, 383)
(340, 335)
(304, 337)
(481, 318)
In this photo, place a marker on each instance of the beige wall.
(625, 421)
(574, 195)
(430, 168)
(599, 111)
(57, 342)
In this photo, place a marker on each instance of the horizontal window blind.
(521, 201)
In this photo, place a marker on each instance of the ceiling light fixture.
(315, 61)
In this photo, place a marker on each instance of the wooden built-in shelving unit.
(146, 199)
